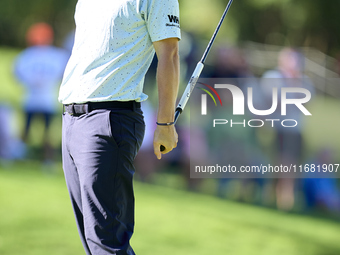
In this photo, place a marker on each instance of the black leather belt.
(79, 109)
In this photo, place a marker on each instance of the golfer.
(103, 125)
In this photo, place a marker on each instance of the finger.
(157, 151)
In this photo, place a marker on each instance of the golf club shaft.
(197, 72)
(216, 31)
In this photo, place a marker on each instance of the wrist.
(165, 118)
(165, 123)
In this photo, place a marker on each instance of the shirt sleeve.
(163, 19)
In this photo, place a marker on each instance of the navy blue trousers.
(98, 150)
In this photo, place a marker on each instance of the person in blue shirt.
(39, 69)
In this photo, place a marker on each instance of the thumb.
(157, 150)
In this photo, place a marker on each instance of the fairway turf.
(36, 218)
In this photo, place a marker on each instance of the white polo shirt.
(113, 48)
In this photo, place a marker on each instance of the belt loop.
(88, 108)
(135, 106)
(73, 110)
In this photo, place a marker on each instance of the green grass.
(35, 214)
(36, 218)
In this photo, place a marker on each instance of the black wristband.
(165, 124)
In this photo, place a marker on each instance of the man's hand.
(166, 136)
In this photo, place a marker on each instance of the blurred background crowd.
(260, 39)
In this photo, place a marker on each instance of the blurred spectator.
(288, 74)
(39, 68)
(230, 63)
(321, 194)
(289, 140)
(10, 147)
(5, 135)
(193, 150)
(69, 41)
(238, 145)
